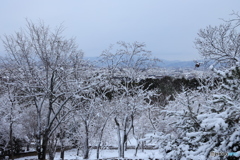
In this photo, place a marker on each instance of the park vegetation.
(51, 97)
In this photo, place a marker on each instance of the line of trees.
(50, 95)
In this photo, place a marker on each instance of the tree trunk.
(42, 149)
(39, 137)
(28, 146)
(11, 141)
(119, 138)
(78, 151)
(142, 145)
(124, 138)
(136, 149)
(125, 146)
(62, 136)
(98, 149)
(62, 153)
(52, 147)
(122, 150)
(101, 135)
(39, 145)
(122, 141)
(86, 147)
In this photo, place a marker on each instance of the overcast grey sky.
(168, 27)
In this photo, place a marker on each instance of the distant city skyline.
(167, 27)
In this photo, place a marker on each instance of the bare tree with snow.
(41, 63)
(127, 64)
(220, 44)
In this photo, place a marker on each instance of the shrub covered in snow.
(205, 121)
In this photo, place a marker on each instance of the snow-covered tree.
(220, 44)
(206, 120)
(127, 64)
(41, 64)
(203, 121)
(179, 118)
(12, 129)
(92, 111)
(129, 60)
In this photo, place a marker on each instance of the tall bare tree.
(42, 62)
(130, 59)
(126, 64)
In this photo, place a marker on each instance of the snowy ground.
(72, 154)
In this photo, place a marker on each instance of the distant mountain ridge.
(177, 64)
(162, 64)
